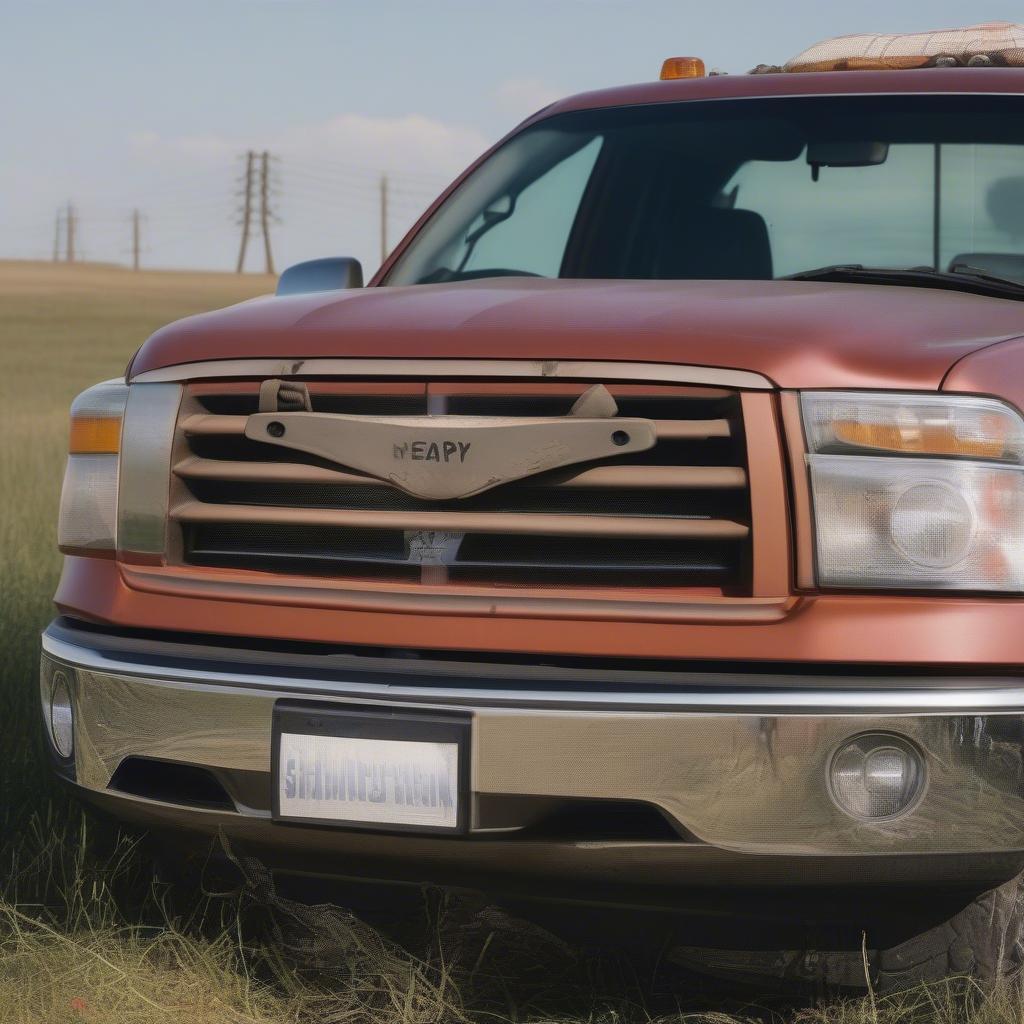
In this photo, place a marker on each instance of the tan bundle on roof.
(998, 43)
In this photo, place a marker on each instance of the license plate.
(370, 769)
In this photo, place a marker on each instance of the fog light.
(876, 776)
(61, 715)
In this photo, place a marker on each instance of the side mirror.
(326, 275)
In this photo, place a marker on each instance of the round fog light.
(62, 715)
(876, 776)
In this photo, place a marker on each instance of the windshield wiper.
(963, 278)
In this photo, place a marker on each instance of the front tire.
(984, 941)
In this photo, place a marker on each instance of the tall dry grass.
(86, 931)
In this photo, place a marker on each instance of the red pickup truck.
(650, 530)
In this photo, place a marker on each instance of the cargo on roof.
(993, 44)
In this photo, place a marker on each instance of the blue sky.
(117, 104)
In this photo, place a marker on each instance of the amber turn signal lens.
(947, 426)
(925, 439)
(682, 67)
(95, 435)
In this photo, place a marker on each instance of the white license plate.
(403, 773)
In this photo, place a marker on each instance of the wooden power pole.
(69, 225)
(265, 213)
(383, 217)
(250, 160)
(136, 238)
(56, 235)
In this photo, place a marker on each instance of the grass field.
(85, 932)
(62, 328)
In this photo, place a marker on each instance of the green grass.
(62, 328)
(88, 934)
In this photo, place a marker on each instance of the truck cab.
(649, 530)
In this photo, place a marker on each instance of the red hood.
(798, 334)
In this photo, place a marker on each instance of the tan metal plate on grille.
(438, 457)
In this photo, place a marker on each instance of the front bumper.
(727, 778)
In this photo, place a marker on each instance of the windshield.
(740, 189)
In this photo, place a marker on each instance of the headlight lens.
(88, 505)
(916, 492)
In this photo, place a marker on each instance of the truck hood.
(798, 334)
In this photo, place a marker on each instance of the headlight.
(115, 493)
(916, 492)
(88, 504)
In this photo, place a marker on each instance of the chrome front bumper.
(738, 770)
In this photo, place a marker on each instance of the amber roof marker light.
(992, 44)
(676, 68)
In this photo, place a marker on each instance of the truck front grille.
(676, 516)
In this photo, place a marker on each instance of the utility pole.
(265, 210)
(69, 223)
(56, 235)
(250, 161)
(136, 237)
(383, 217)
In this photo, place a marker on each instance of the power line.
(181, 209)
(431, 178)
(309, 182)
(184, 234)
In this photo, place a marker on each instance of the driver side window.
(531, 236)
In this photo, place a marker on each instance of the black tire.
(984, 941)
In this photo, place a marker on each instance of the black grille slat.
(249, 546)
(683, 504)
(671, 408)
(354, 405)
